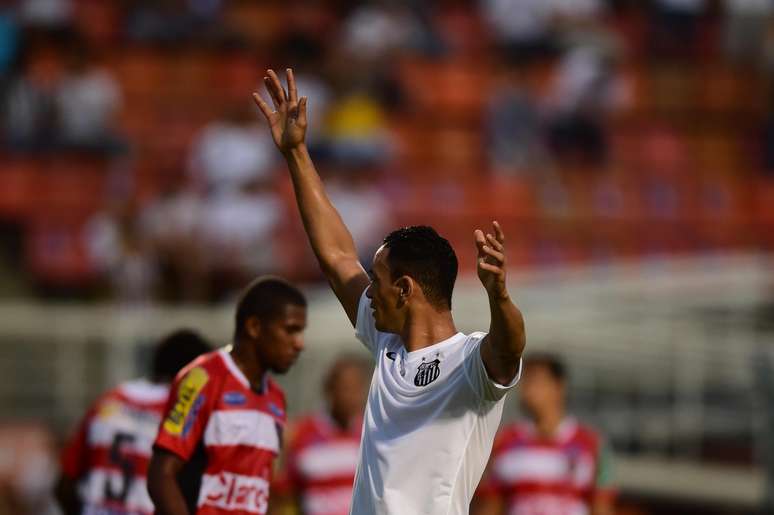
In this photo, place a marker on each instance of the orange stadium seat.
(55, 250)
(141, 72)
(450, 90)
(73, 185)
(18, 196)
(262, 22)
(725, 89)
(763, 222)
(672, 88)
(724, 212)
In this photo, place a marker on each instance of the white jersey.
(429, 425)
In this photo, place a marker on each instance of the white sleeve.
(365, 327)
(486, 387)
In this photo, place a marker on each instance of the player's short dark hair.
(428, 258)
(175, 351)
(265, 298)
(551, 362)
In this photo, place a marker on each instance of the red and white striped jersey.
(320, 465)
(109, 454)
(557, 476)
(213, 408)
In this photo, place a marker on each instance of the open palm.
(287, 120)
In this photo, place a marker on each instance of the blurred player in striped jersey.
(323, 447)
(104, 465)
(551, 464)
(225, 416)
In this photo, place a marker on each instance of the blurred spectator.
(585, 90)
(49, 13)
(315, 88)
(551, 464)
(171, 224)
(117, 433)
(322, 450)
(122, 254)
(362, 205)
(356, 130)
(513, 125)
(27, 470)
(234, 160)
(521, 28)
(29, 110)
(88, 99)
(9, 37)
(379, 28)
(232, 152)
(675, 27)
(166, 21)
(746, 23)
(237, 234)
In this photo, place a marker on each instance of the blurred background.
(627, 148)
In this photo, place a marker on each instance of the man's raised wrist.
(498, 297)
(296, 152)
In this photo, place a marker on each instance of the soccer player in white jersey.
(437, 394)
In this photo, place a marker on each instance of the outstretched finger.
(499, 231)
(482, 264)
(292, 92)
(302, 112)
(494, 243)
(275, 88)
(263, 106)
(497, 256)
(480, 240)
(273, 93)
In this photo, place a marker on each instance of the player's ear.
(253, 327)
(405, 285)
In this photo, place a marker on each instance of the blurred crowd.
(135, 166)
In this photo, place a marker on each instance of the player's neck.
(548, 423)
(246, 359)
(427, 328)
(341, 420)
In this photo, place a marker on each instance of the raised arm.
(330, 239)
(502, 347)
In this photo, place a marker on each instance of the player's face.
(347, 392)
(384, 294)
(282, 339)
(539, 391)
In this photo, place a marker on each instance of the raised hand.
(491, 261)
(287, 120)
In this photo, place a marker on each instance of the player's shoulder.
(303, 431)
(588, 434)
(511, 434)
(473, 340)
(520, 429)
(208, 365)
(142, 393)
(308, 423)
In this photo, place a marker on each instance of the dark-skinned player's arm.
(330, 239)
(66, 494)
(501, 349)
(162, 483)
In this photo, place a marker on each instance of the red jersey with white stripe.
(109, 454)
(548, 476)
(212, 407)
(321, 463)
